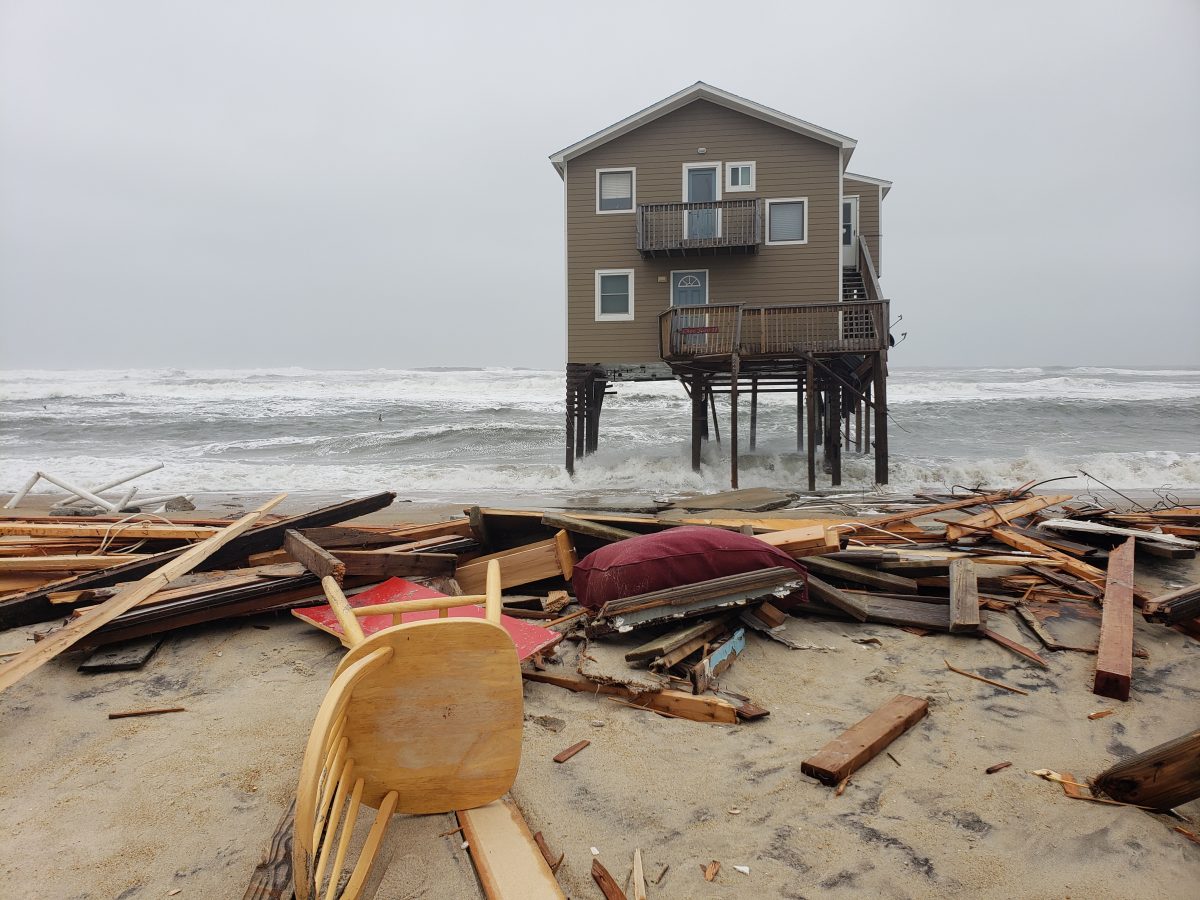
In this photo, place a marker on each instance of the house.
(714, 240)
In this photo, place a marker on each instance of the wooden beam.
(64, 638)
(1114, 658)
(583, 526)
(882, 581)
(665, 643)
(67, 563)
(381, 564)
(676, 703)
(827, 593)
(964, 596)
(124, 531)
(1174, 606)
(316, 559)
(507, 859)
(921, 512)
(520, 565)
(1001, 515)
(848, 753)
(1162, 777)
(34, 606)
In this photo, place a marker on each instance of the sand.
(136, 808)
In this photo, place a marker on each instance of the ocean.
(496, 434)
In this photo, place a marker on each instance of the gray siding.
(787, 165)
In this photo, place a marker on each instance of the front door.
(701, 186)
(850, 232)
(690, 289)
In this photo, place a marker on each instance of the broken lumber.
(861, 743)
(521, 565)
(703, 674)
(1162, 777)
(607, 884)
(964, 596)
(1084, 527)
(316, 559)
(570, 751)
(381, 564)
(507, 859)
(827, 593)
(675, 703)
(34, 606)
(665, 643)
(596, 530)
(880, 581)
(272, 878)
(1175, 606)
(1114, 656)
(58, 641)
(1001, 515)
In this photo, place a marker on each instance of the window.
(615, 190)
(787, 221)
(614, 295)
(739, 176)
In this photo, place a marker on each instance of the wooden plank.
(570, 751)
(1085, 527)
(34, 606)
(316, 559)
(921, 512)
(704, 673)
(521, 565)
(676, 703)
(964, 596)
(1001, 515)
(761, 580)
(848, 753)
(272, 878)
(596, 530)
(507, 859)
(479, 529)
(1063, 580)
(883, 581)
(58, 641)
(713, 630)
(1068, 563)
(665, 643)
(827, 593)
(1114, 657)
(124, 657)
(1162, 777)
(1019, 649)
(380, 564)
(124, 531)
(67, 563)
(1175, 606)
(607, 884)
(755, 499)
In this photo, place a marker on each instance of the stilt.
(881, 436)
(846, 417)
(733, 422)
(810, 388)
(580, 408)
(712, 405)
(799, 412)
(867, 417)
(858, 420)
(699, 420)
(820, 395)
(753, 412)
(596, 385)
(835, 433)
(570, 442)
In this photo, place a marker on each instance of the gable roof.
(701, 91)
(886, 185)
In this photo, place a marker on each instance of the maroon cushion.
(684, 555)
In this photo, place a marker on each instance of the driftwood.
(1162, 777)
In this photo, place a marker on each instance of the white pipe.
(82, 492)
(112, 484)
(20, 495)
(124, 501)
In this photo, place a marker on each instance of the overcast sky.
(352, 185)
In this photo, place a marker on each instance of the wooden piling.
(810, 388)
(753, 412)
(881, 436)
(699, 420)
(733, 422)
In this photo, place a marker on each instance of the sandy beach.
(140, 808)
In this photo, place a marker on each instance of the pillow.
(677, 556)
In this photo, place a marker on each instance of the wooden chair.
(422, 717)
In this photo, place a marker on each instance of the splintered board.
(529, 638)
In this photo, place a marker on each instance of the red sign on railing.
(700, 329)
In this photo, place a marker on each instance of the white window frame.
(804, 200)
(632, 191)
(731, 188)
(614, 317)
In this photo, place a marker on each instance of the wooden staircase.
(853, 286)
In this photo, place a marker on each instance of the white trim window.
(614, 295)
(787, 221)
(740, 176)
(616, 190)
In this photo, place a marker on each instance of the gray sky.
(202, 184)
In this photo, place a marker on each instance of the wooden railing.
(699, 227)
(718, 329)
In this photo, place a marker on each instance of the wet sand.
(137, 808)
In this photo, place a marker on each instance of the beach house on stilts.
(723, 243)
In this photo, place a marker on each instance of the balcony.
(718, 330)
(699, 229)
